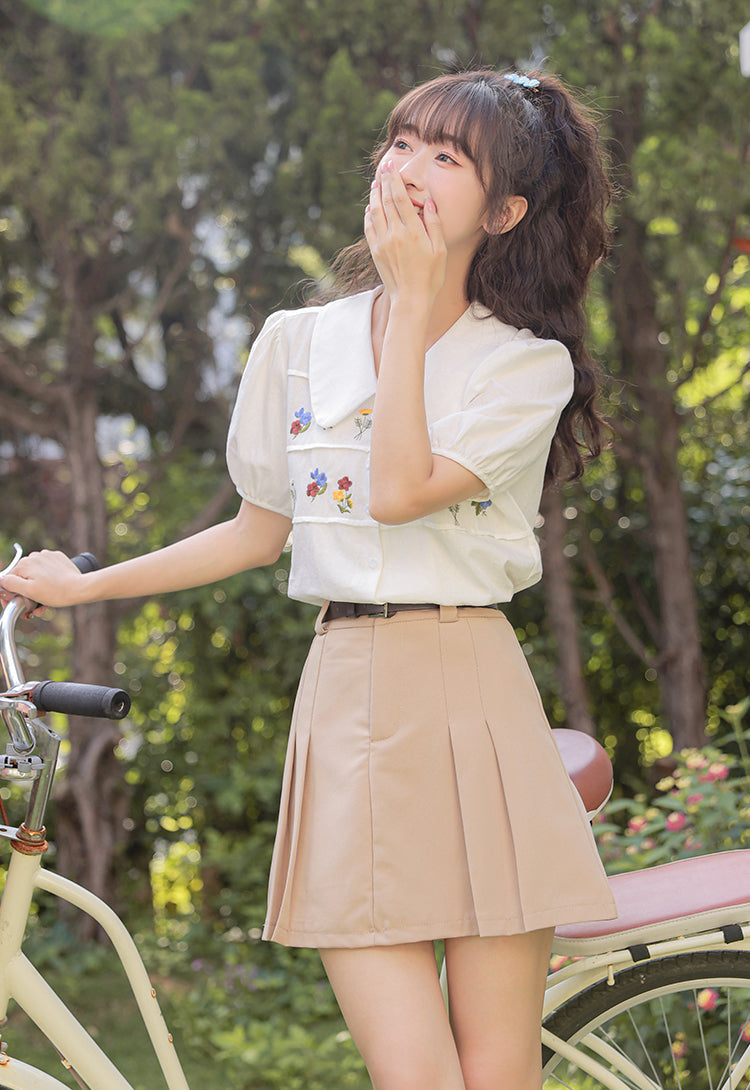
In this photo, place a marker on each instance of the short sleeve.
(256, 444)
(511, 407)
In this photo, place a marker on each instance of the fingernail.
(430, 205)
(374, 183)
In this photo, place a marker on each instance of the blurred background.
(171, 172)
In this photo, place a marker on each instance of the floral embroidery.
(480, 506)
(454, 509)
(343, 496)
(318, 485)
(363, 422)
(293, 493)
(301, 422)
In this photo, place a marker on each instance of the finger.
(396, 197)
(432, 224)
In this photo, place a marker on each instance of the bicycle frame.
(20, 981)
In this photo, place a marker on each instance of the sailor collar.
(342, 366)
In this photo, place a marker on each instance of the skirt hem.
(555, 916)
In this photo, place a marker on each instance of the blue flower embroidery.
(301, 421)
(318, 485)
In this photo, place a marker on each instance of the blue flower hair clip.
(522, 81)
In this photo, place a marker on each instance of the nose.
(412, 170)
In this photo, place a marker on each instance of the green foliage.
(112, 18)
(702, 806)
(268, 1017)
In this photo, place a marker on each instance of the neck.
(448, 306)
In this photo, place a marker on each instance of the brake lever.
(14, 561)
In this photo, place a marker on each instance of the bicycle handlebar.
(76, 699)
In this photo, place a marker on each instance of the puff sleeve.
(256, 444)
(509, 412)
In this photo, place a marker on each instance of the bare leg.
(390, 997)
(496, 993)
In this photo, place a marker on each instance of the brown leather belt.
(337, 610)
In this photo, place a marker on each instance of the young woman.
(405, 431)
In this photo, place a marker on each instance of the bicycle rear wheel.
(679, 1023)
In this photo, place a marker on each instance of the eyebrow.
(438, 138)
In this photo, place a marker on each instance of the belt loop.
(448, 613)
(320, 626)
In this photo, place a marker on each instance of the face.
(447, 175)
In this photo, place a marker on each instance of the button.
(372, 562)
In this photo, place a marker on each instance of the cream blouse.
(299, 444)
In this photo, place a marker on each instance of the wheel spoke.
(677, 1023)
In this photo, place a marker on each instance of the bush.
(702, 807)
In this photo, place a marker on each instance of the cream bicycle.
(658, 999)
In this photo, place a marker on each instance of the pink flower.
(693, 800)
(696, 760)
(676, 821)
(707, 999)
(716, 771)
(745, 1035)
(679, 1048)
(637, 824)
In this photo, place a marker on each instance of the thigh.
(391, 1000)
(496, 993)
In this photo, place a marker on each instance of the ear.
(511, 214)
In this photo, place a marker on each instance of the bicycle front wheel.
(16, 1075)
(672, 1024)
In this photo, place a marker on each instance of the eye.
(445, 157)
(400, 144)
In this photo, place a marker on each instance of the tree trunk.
(657, 443)
(91, 803)
(558, 591)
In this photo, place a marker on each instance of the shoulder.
(295, 330)
(516, 357)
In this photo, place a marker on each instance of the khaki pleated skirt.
(423, 794)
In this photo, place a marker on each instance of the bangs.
(463, 114)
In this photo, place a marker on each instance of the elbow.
(393, 509)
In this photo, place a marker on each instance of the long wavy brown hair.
(540, 143)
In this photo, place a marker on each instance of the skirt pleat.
(423, 795)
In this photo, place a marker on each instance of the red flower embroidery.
(296, 427)
(312, 489)
(345, 483)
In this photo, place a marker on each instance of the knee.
(506, 1069)
(414, 1071)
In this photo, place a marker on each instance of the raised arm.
(424, 281)
(253, 538)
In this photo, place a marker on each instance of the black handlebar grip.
(85, 562)
(71, 698)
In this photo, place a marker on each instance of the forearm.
(255, 537)
(400, 454)
(212, 554)
(408, 481)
